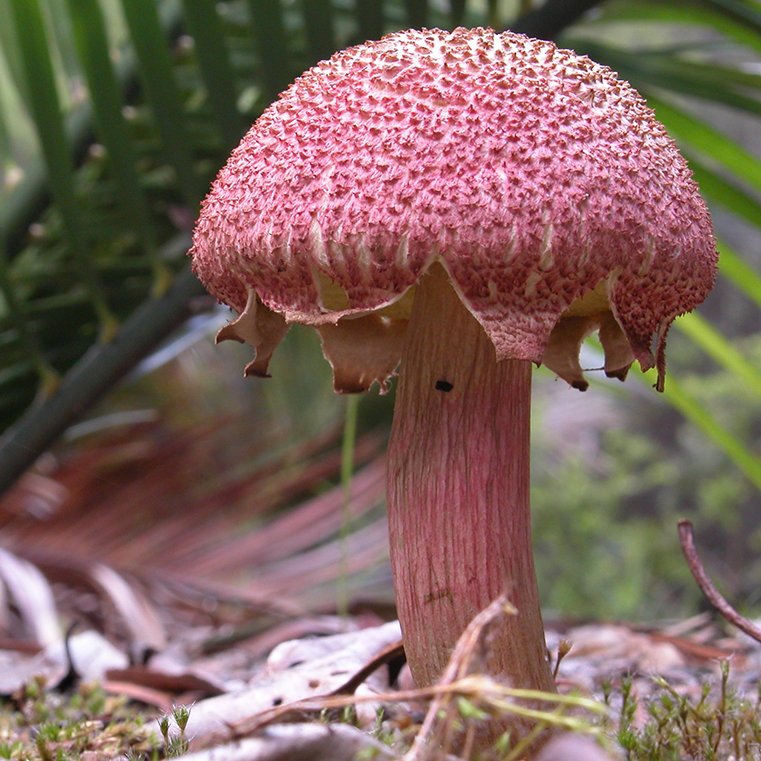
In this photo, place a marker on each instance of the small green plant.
(175, 745)
(42, 724)
(719, 725)
(383, 733)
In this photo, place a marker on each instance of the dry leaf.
(146, 632)
(32, 597)
(322, 675)
(91, 653)
(181, 681)
(300, 742)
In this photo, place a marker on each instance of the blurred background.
(143, 449)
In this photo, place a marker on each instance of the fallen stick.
(687, 540)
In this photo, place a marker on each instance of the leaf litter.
(180, 602)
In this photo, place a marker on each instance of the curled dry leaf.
(17, 669)
(164, 701)
(618, 644)
(305, 649)
(91, 653)
(146, 632)
(305, 626)
(164, 680)
(32, 598)
(364, 690)
(137, 616)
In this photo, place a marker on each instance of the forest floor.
(145, 614)
(333, 688)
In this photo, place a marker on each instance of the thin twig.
(390, 653)
(470, 687)
(428, 739)
(687, 540)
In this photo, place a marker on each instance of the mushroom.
(458, 205)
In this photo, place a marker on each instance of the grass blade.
(97, 371)
(162, 94)
(721, 76)
(645, 71)
(708, 140)
(347, 472)
(106, 94)
(31, 196)
(49, 120)
(743, 12)
(741, 274)
(61, 49)
(20, 147)
(11, 50)
(720, 349)
(721, 191)
(683, 14)
(695, 412)
(206, 27)
(495, 20)
(6, 149)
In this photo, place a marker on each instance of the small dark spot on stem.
(441, 594)
(442, 385)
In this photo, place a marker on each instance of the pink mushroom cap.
(541, 182)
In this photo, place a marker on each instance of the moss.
(721, 724)
(37, 723)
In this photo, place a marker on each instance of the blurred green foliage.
(605, 519)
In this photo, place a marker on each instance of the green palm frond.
(715, 66)
(46, 107)
(166, 89)
(106, 95)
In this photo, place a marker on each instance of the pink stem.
(458, 492)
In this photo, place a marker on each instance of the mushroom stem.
(458, 492)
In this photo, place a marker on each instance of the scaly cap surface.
(542, 183)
